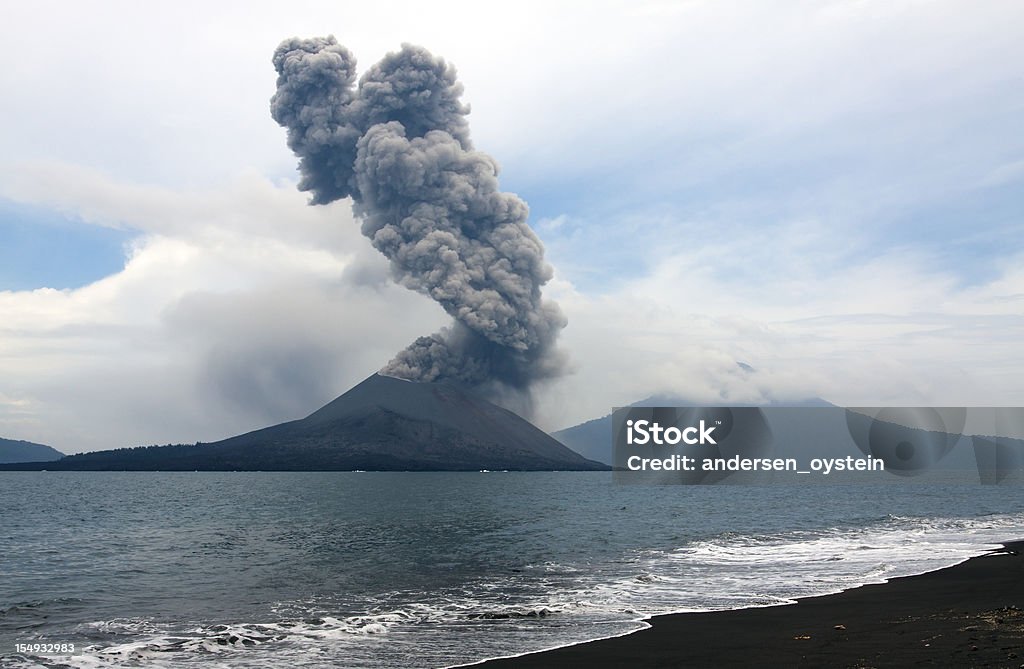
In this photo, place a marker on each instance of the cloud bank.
(826, 191)
(236, 308)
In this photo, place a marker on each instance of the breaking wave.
(547, 604)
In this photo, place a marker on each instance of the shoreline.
(969, 614)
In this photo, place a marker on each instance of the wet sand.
(969, 615)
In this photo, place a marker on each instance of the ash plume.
(398, 144)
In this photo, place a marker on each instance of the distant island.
(12, 450)
(382, 424)
(593, 438)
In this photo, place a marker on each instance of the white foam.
(551, 605)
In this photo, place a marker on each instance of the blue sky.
(43, 248)
(830, 191)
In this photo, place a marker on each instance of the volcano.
(382, 424)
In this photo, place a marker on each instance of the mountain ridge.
(593, 438)
(381, 424)
(19, 450)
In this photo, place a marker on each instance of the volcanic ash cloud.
(398, 144)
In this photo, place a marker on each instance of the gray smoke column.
(398, 144)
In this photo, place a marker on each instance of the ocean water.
(434, 569)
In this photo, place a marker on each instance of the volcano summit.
(382, 424)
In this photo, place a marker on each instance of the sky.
(829, 192)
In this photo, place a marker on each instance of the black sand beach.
(969, 615)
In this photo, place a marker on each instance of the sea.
(368, 569)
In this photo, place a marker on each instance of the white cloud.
(897, 330)
(138, 116)
(559, 88)
(235, 310)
